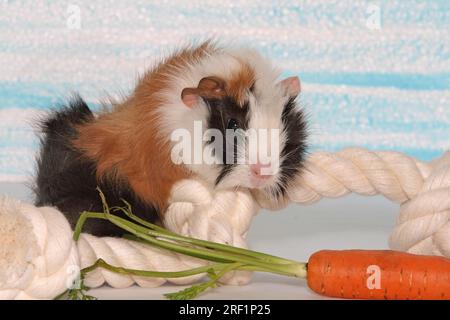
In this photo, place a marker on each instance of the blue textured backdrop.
(375, 73)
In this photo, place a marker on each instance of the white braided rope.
(38, 257)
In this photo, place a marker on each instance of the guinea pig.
(127, 150)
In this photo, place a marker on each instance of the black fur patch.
(66, 179)
(220, 112)
(294, 150)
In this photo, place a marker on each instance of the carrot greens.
(222, 258)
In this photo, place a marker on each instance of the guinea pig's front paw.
(268, 201)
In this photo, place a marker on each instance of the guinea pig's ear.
(208, 87)
(291, 86)
(190, 97)
(213, 87)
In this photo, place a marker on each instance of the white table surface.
(352, 222)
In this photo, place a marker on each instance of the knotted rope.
(38, 258)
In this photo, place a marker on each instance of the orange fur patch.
(240, 83)
(126, 142)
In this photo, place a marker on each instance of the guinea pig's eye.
(232, 124)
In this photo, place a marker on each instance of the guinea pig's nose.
(260, 170)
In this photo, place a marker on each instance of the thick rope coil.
(37, 252)
(423, 225)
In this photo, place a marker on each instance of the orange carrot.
(378, 274)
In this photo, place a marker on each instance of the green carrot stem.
(141, 221)
(216, 247)
(206, 244)
(295, 265)
(161, 232)
(285, 269)
(173, 236)
(100, 263)
(164, 233)
(82, 220)
(149, 236)
(228, 249)
(198, 252)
